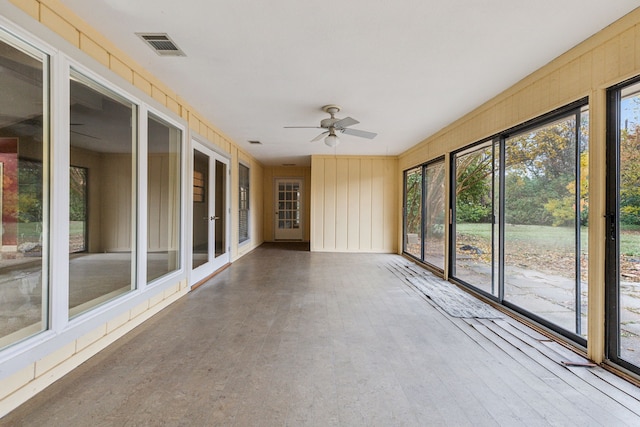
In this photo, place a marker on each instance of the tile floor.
(286, 337)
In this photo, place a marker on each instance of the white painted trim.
(19, 26)
(199, 273)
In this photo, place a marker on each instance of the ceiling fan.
(333, 125)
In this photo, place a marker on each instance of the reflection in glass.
(102, 138)
(243, 197)
(220, 209)
(23, 205)
(163, 198)
(200, 232)
(413, 212)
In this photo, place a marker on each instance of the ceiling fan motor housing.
(327, 123)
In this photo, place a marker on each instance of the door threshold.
(202, 282)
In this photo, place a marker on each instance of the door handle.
(215, 218)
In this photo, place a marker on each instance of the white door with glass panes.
(210, 212)
(288, 214)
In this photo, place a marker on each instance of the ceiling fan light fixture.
(332, 140)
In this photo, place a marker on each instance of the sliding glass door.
(519, 205)
(623, 226)
(424, 213)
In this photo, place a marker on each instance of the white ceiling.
(403, 68)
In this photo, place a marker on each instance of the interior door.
(288, 203)
(210, 220)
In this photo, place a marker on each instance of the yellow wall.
(256, 203)
(78, 33)
(354, 204)
(270, 175)
(609, 57)
(62, 358)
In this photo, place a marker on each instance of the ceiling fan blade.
(319, 137)
(360, 133)
(343, 123)
(303, 127)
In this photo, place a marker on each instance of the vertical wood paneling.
(377, 205)
(365, 205)
(353, 232)
(329, 214)
(391, 207)
(342, 204)
(115, 203)
(317, 204)
(355, 204)
(605, 59)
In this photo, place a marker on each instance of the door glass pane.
(23, 141)
(434, 216)
(288, 217)
(163, 198)
(583, 218)
(540, 222)
(200, 249)
(413, 212)
(220, 208)
(629, 227)
(474, 218)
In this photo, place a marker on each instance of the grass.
(32, 230)
(550, 237)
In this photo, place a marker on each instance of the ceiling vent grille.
(161, 44)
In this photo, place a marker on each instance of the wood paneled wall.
(609, 57)
(270, 175)
(354, 204)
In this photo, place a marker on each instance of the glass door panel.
(474, 230)
(413, 212)
(210, 232)
(200, 246)
(288, 216)
(219, 208)
(540, 234)
(623, 234)
(434, 215)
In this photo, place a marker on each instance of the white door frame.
(214, 263)
(288, 233)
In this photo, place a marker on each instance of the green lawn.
(549, 237)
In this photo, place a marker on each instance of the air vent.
(161, 44)
(255, 142)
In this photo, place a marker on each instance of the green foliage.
(469, 212)
(413, 194)
(630, 176)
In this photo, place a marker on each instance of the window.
(103, 139)
(243, 197)
(163, 198)
(519, 232)
(23, 191)
(424, 213)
